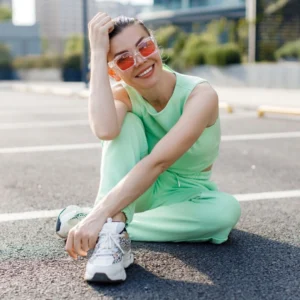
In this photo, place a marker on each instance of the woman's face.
(146, 72)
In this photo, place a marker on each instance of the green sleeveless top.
(203, 152)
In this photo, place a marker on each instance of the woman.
(160, 133)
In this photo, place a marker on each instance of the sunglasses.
(127, 60)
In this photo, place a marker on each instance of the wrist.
(99, 53)
(101, 212)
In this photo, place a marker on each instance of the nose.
(139, 59)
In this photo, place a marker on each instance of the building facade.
(59, 19)
(22, 40)
(6, 3)
(278, 22)
(190, 14)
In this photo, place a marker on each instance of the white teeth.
(145, 72)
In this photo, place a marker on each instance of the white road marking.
(30, 215)
(269, 195)
(240, 197)
(43, 124)
(50, 148)
(261, 136)
(49, 111)
(226, 138)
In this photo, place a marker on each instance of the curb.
(40, 89)
(230, 106)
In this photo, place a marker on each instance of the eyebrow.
(124, 51)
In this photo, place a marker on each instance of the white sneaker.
(111, 256)
(68, 218)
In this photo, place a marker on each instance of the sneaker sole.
(104, 277)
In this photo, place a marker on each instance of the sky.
(24, 10)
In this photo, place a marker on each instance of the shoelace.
(106, 241)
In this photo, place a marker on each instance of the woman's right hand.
(99, 28)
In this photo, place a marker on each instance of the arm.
(105, 114)
(199, 111)
(102, 111)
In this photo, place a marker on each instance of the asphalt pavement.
(50, 159)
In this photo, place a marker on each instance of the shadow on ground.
(247, 266)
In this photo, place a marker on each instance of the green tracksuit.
(183, 204)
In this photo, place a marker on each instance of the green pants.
(175, 208)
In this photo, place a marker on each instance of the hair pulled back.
(122, 22)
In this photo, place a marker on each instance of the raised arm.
(105, 114)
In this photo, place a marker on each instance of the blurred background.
(233, 42)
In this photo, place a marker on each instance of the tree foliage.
(5, 13)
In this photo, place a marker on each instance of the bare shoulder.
(120, 94)
(205, 91)
(205, 95)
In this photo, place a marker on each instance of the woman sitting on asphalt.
(160, 135)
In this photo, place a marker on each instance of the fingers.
(76, 245)
(92, 242)
(109, 26)
(99, 28)
(103, 24)
(96, 17)
(99, 20)
(85, 245)
(104, 21)
(78, 239)
(82, 237)
(70, 245)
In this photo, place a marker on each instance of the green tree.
(5, 13)
(74, 45)
(45, 45)
(5, 57)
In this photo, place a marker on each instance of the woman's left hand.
(84, 236)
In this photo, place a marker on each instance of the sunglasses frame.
(113, 63)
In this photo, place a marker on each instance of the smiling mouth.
(146, 72)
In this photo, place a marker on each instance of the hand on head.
(99, 28)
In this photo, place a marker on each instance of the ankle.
(119, 217)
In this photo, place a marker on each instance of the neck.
(160, 94)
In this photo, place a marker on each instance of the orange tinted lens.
(147, 48)
(125, 62)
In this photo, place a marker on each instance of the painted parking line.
(25, 125)
(226, 138)
(269, 195)
(261, 136)
(49, 111)
(50, 148)
(240, 197)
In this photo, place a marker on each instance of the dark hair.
(122, 22)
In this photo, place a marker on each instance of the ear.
(113, 74)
